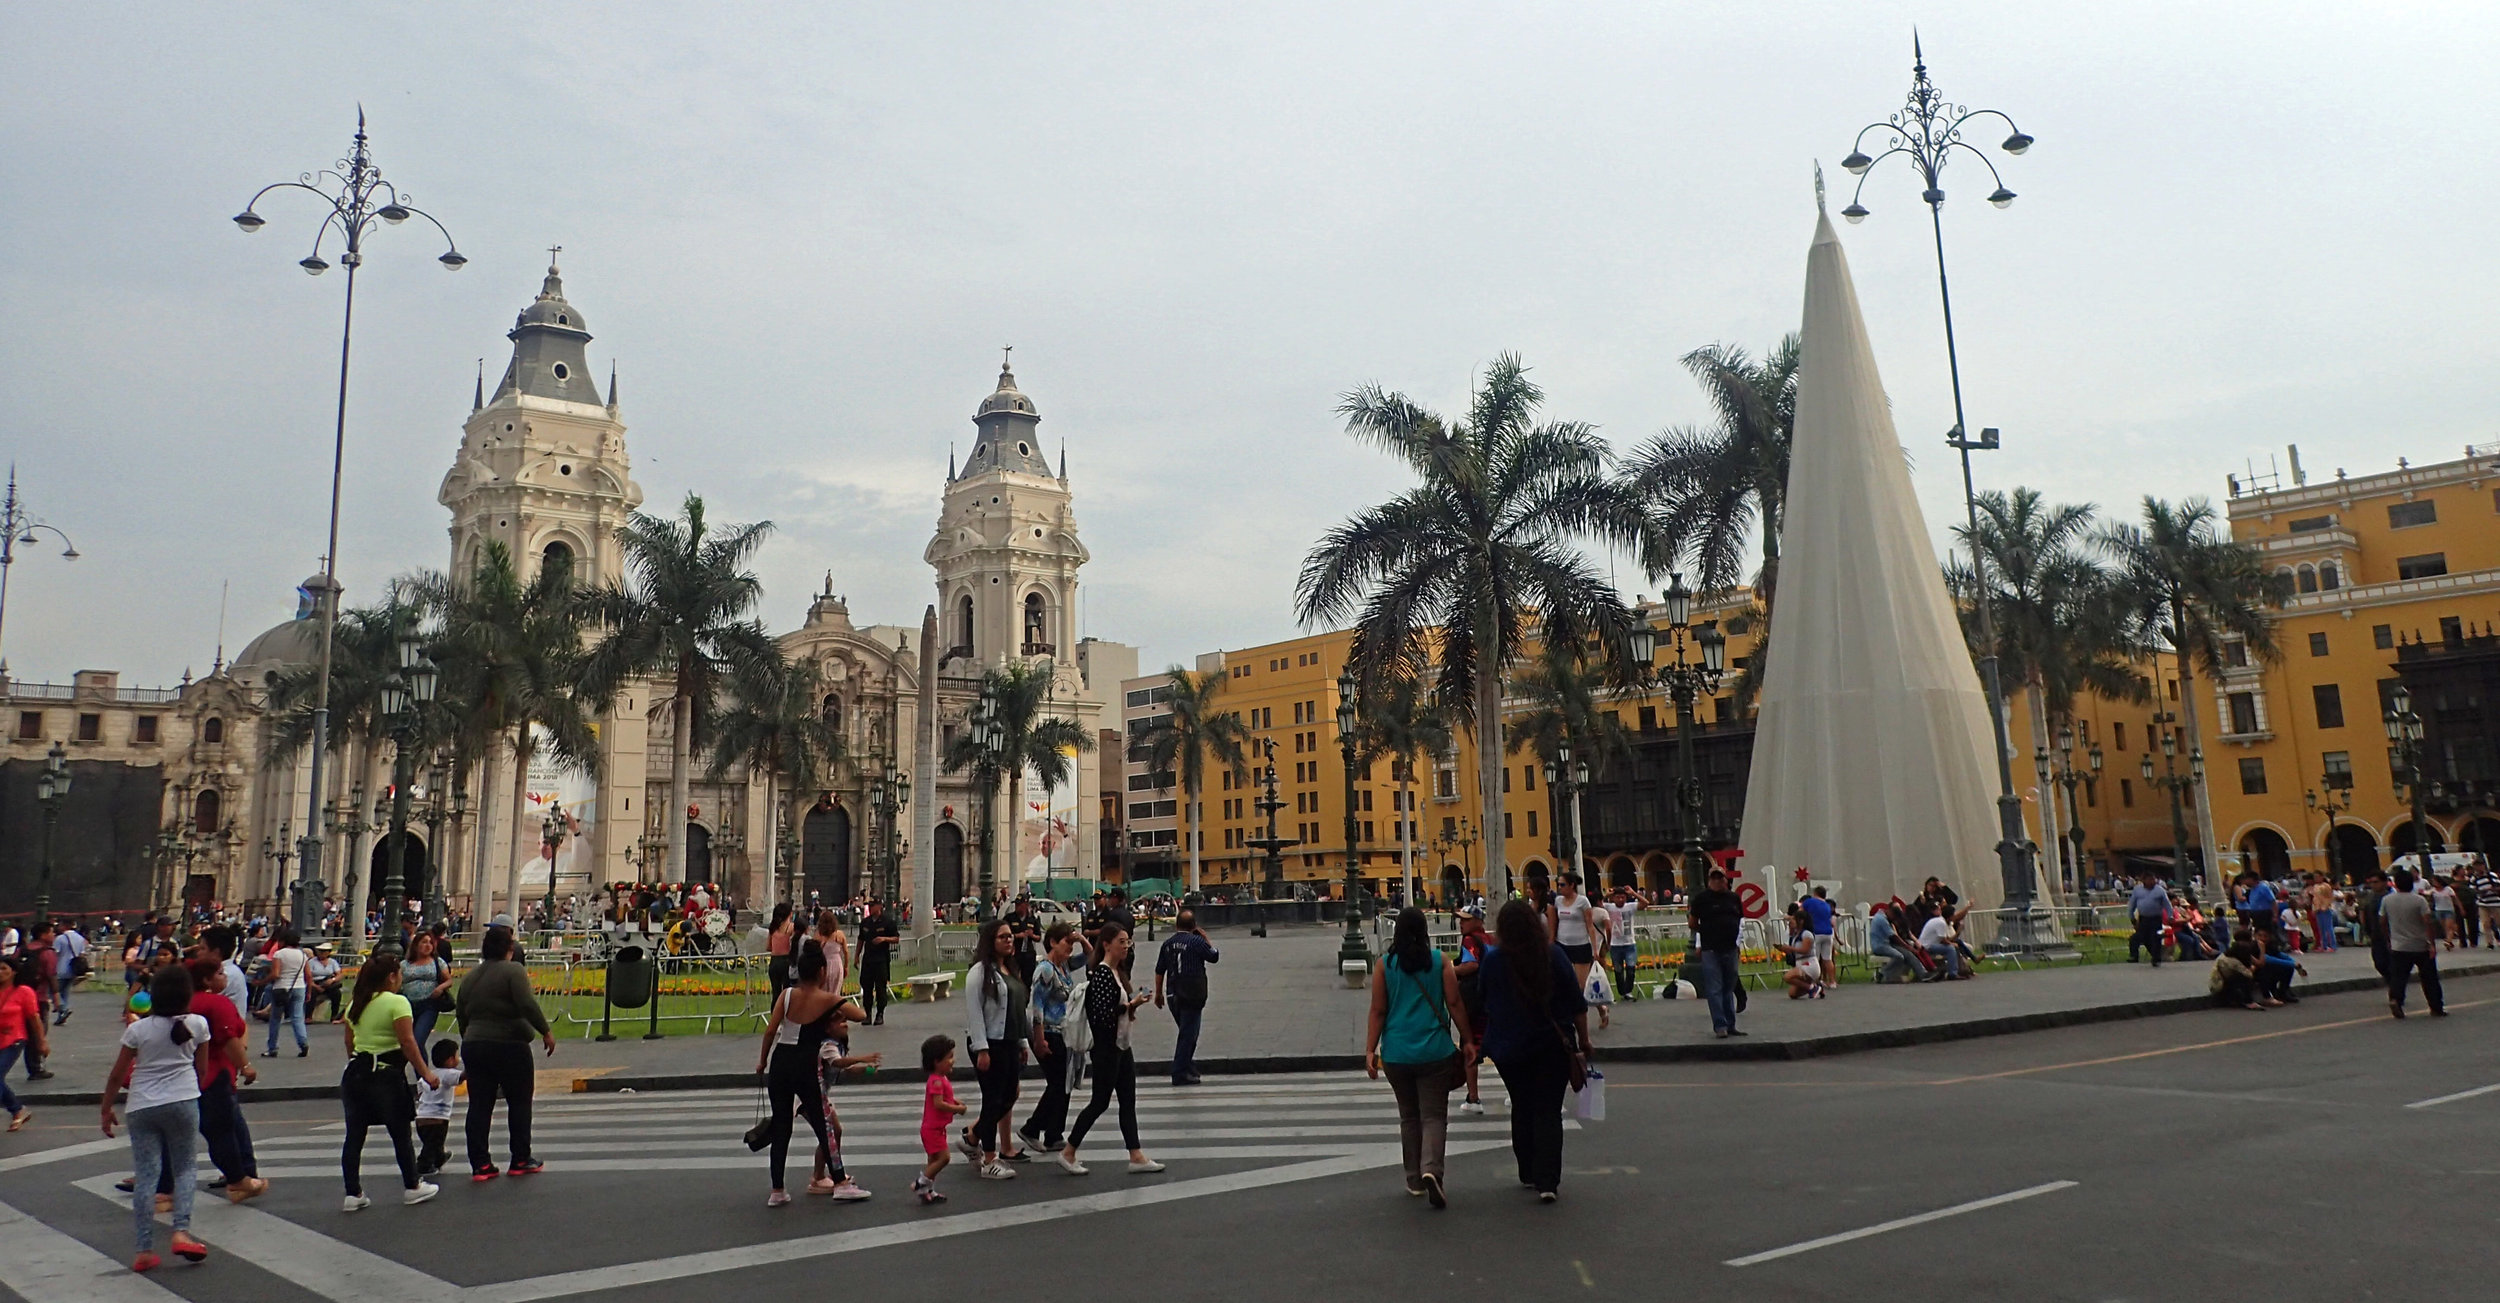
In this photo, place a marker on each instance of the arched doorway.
(698, 853)
(948, 884)
(1453, 886)
(825, 852)
(1620, 873)
(2480, 833)
(2265, 850)
(1658, 874)
(2351, 852)
(2400, 839)
(414, 870)
(1537, 873)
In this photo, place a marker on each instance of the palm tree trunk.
(772, 838)
(680, 747)
(1189, 797)
(2048, 839)
(1488, 731)
(2201, 809)
(1014, 871)
(482, 875)
(1406, 829)
(523, 745)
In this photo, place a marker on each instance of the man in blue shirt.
(1818, 912)
(2258, 907)
(1181, 978)
(2149, 904)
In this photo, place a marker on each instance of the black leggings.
(377, 1096)
(1115, 1072)
(1536, 1083)
(493, 1068)
(998, 1092)
(792, 1085)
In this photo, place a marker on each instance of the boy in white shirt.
(434, 1108)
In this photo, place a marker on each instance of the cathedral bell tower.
(1006, 551)
(542, 465)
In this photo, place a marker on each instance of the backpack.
(1078, 1029)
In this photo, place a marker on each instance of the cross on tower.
(552, 251)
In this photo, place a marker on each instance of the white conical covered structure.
(1870, 757)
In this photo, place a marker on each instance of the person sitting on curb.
(2233, 984)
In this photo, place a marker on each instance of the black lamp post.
(51, 792)
(1353, 949)
(1926, 130)
(2332, 805)
(2404, 732)
(551, 834)
(2062, 769)
(1686, 683)
(434, 813)
(992, 742)
(16, 527)
(404, 700)
(2177, 784)
(892, 795)
(1570, 776)
(357, 197)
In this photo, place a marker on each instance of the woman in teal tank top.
(1420, 1038)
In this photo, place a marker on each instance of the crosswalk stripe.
(1102, 1154)
(862, 1138)
(328, 1267)
(41, 1265)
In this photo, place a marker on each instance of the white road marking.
(1898, 1223)
(331, 1268)
(861, 1137)
(2451, 1099)
(777, 1252)
(62, 1154)
(42, 1265)
(852, 1157)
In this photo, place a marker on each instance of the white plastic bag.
(1593, 1097)
(1600, 990)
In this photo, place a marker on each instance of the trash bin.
(631, 977)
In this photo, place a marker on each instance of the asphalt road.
(2312, 1152)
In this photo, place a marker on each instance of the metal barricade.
(578, 982)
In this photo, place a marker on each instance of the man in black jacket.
(1715, 915)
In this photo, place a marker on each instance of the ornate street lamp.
(2177, 784)
(551, 833)
(357, 197)
(2404, 734)
(1561, 772)
(1926, 130)
(404, 701)
(992, 742)
(2331, 806)
(1353, 948)
(1687, 682)
(52, 784)
(435, 778)
(18, 527)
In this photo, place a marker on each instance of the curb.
(1702, 1052)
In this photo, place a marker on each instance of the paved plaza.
(2160, 1158)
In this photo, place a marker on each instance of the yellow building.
(2397, 579)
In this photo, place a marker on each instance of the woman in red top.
(21, 1023)
(220, 1059)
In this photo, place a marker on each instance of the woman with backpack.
(1537, 1033)
(1110, 1012)
(998, 1022)
(1421, 1038)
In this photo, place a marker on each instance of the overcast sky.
(803, 232)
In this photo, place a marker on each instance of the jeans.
(492, 1068)
(998, 1091)
(1423, 1091)
(286, 1007)
(1185, 1020)
(376, 1094)
(1948, 959)
(1718, 987)
(2322, 929)
(1536, 1083)
(160, 1144)
(2147, 936)
(2403, 964)
(1050, 1117)
(421, 1022)
(1896, 960)
(790, 1082)
(1627, 964)
(229, 1136)
(8, 1064)
(1115, 1073)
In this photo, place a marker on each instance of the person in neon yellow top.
(381, 1046)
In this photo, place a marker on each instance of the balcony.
(1041, 649)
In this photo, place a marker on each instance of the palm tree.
(1448, 577)
(1400, 721)
(2061, 616)
(1182, 741)
(513, 655)
(683, 614)
(2200, 590)
(1561, 692)
(1029, 738)
(774, 723)
(364, 658)
(1709, 489)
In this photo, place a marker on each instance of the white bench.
(928, 988)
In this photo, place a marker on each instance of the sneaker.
(486, 1173)
(777, 1199)
(1141, 1169)
(1070, 1165)
(1433, 1193)
(931, 1195)
(354, 1203)
(848, 1192)
(964, 1145)
(1545, 1196)
(1030, 1137)
(424, 1190)
(1472, 1106)
(528, 1167)
(997, 1171)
